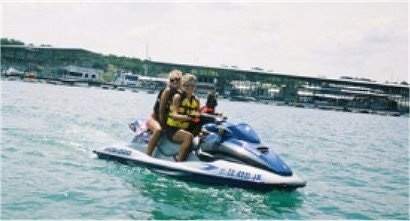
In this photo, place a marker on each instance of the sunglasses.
(174, 79)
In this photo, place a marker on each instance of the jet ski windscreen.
(244, 132)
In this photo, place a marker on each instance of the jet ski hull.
(218, 172)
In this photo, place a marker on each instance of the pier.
(345, 94)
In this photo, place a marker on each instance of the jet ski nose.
(280, 167)
(273, 162)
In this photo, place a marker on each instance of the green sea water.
(356, 165)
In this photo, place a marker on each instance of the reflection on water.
(180, 197)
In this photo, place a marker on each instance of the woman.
(183, 111)
(164, 100)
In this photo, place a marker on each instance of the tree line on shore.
(45, 59)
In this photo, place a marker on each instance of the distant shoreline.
(111, 86)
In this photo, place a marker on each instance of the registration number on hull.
(239, 174)
(119, 151)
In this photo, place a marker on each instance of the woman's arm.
(163, 105)
(174, 113)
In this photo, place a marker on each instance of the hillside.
(45, 59)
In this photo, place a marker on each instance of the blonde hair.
(175, 74)
(188, 79)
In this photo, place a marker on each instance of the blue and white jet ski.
(225, 154)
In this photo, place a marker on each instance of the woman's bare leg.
(155, 127)
(185, 139)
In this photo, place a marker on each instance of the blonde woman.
(161, 107)
(183, 111)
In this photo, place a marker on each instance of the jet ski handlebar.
(209, 118)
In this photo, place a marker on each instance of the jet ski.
(224, 154)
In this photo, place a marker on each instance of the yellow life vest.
(186, 106)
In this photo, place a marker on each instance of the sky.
(329, 39)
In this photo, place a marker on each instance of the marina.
(308, 97)
(348, 94)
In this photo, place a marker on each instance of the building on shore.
(82, 74)
(127, 79)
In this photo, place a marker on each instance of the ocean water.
(356, 165)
